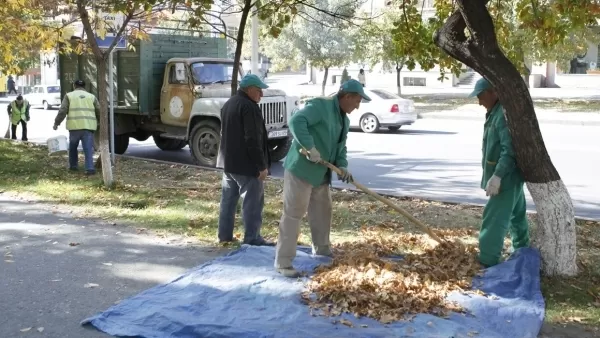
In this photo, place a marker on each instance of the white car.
(384, 110)
(47, 96)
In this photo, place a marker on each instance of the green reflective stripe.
(83, 118)
(82, 109)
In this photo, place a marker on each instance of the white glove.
(314, 155)
(493, 186)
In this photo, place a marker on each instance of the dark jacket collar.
(244, 95)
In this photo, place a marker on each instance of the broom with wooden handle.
(381, 199)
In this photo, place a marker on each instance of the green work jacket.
(319, 124)
(498, 152)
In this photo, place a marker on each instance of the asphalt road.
(436, 159)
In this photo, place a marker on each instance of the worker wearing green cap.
(321, 128)
(502, 181)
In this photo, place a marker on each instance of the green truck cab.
(172, 88)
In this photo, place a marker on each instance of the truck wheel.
(279, 148)
(204, 143)
(168, 143)
(121, 143)
(140, 135)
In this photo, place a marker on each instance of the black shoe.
(90, 173)
(259, 242)
(73, 169)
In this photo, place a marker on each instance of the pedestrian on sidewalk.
(11, 85)
(18, 111)
(245, 160)
(362, 77)
(321, 127)
(502, 181)
(82, 111)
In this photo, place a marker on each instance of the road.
(435, 159)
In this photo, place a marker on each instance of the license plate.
(278, 133)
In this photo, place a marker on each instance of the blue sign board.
(108, 40)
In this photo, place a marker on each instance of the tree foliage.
(24, 32)
(326, 37)
(527, 30)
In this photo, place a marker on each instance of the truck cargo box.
(138, 72)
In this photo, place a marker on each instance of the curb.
(474, 118)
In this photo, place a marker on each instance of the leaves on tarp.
(364, 281)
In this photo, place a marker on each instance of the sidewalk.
(58, 269)
(543, 116)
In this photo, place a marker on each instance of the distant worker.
(361, 77)
(320, 128)
(82, 111)
(502, 180)
(245, 160)
(18, 110)
(11, 85)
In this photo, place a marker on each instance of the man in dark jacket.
(245, 160)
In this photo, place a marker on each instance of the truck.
(172, 88)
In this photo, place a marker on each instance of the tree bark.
(398, 78)
(324, 81)
(239, 44)
(100, 59)
(555, 235)
(107, 173)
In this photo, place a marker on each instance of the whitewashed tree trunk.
(324, 81)
(555, 234)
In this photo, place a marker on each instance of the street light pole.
(254, 60)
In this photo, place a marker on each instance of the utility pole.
(254, 60)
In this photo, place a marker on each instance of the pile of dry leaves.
(364, 281)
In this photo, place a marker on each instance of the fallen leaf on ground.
(74, 244)
(107, 264)
(363, 280)
(40, 329)
(91, 285)
(346, 322)
(472, 333)
(26, 329)
(9, 261)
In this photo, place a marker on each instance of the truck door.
(176, 96)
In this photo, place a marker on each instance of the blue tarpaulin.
(241, 295)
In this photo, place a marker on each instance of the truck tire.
(279, 148)
(121, 143)
(168, 144)
(205, 138)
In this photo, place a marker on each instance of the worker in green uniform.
(320, 128)
(502, 180)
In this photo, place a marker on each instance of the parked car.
(47, 96)
(385, 109)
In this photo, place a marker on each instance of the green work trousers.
(503, 212)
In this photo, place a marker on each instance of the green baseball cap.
(481, 86)
(251, 80)
(353, 86)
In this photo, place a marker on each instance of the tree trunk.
(555, 234)
(324, 81)
(239, 44)
(398, 78)
(107, 173)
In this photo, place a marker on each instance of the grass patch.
(185, 200)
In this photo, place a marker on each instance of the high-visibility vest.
(82, 114)
(17, 114)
